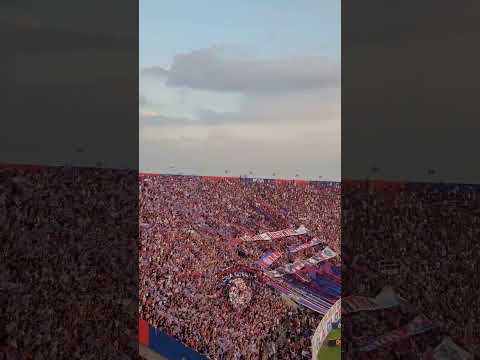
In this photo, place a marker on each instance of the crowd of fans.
(68, 264)
(69, 261)
(361, 327)
(432, 230)
(186, 226)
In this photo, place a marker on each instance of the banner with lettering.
(270, 235)
(268, 259)
(297, 248)
(418, 325)
(353, 304)
(291, 268)
(385, 299)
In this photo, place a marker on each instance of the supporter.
(66, 282)
(188, 224)
(432, 230)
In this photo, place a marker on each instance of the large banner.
(385, 299)
(271, 235)
(325, 326)
(291, 268)
(353, 304)
(297, 248)
(418, 325)
(319, 293)
(314, 301)
(268, 259)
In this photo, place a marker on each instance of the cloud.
(313, 107)
(290, 151)
(155, 71)
(209, 69)
(206, 116)
(243, 114)
(154, 118)
(274, 140)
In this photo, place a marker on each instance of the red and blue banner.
(297, 248)
(418, 325)
(291, 268)
(318, 290)
(268, 259)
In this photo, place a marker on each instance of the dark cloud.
(208, 69)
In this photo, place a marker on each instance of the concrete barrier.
(332, 316)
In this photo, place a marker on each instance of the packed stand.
(186, 228)
(432, 230)
(68, 273)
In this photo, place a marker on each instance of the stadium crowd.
(432, 230)
(187, 224)
(52, 240)
(361, 327)
(68, 264)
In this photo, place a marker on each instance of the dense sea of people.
(69, 262)
(187, 224)
(433, 231)
(68, 267)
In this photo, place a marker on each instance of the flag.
(268, 259)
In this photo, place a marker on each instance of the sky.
(240, 87)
